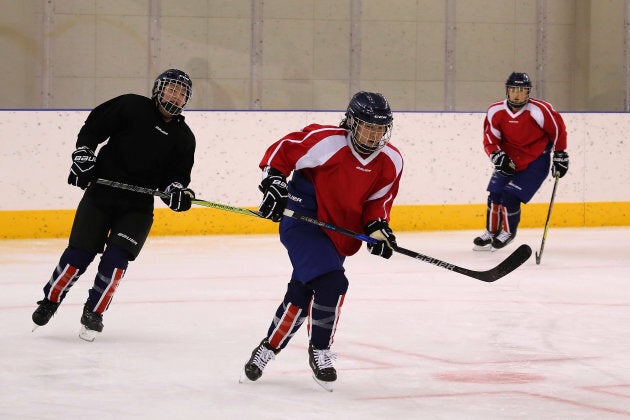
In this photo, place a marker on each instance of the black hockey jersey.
(141, 148)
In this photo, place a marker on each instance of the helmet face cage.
(172, 90)
(367, 137)
(518, 80)
(370, 121)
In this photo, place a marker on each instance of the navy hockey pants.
(317, 288)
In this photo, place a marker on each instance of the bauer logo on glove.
(275, 194)
(83, 167)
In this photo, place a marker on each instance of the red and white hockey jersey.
(523, 135)
(349, 190)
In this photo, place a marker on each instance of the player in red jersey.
(520, 133)
(346, 175)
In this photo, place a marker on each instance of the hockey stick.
(512, 262)
(544, 238)
(161, 194)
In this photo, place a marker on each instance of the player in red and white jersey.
(519, 135)
(346, 175)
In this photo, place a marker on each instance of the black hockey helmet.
(371, 109)
(164, 97)
(518, 80)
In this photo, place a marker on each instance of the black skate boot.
(502, 239)
(44, 312)
(91, 324)
(321, 362)
(259, 359)
(483, 242)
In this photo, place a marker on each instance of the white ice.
(415, 341)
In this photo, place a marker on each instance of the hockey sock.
(329, 292)
(510, 213)
(111, 270)
(290, 315)
(493, 213)
(72, 264)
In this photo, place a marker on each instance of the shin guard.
(510, 213)
(329, 293)
(111, 270)
(72, 264)
(493, 213)
(290, 315)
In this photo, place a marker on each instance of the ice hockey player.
(149, 144)
(520, 134)
(346, 175)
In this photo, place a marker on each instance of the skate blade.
(87, 334)
(35, 326)
(498, 249)
(243, 379)
(328, 386)
(483, 248)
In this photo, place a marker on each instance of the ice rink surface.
(415, 341)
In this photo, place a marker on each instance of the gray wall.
(313, 54)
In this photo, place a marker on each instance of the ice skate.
(44, 312)
(483, 242)
(323, 371)
(91, 324)
(261, 355)
(502, 239)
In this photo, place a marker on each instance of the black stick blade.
(511, 263)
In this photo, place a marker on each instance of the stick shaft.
(129, 187)
(513, 261)
(518, 257)
(544, 237)
(158, 193)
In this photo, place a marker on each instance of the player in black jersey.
(147, 143)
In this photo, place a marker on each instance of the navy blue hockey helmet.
(372, 112)
(518, 80)
(169, 88)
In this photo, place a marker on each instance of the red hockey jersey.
(349, 190)
(523, 135)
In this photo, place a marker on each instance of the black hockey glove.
(179, 198)
(502, 162)
(560, 164)
(83, 166)
(275, 193)
(379, 229)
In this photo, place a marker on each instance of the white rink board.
(444, 158)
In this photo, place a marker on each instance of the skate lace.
(485, 236)
(263, 356)
(503, 236)
(324, 358)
